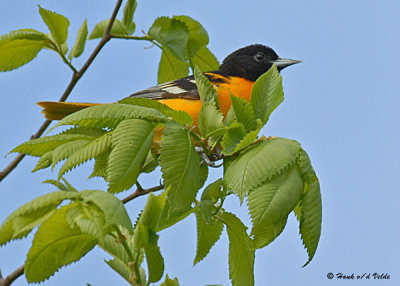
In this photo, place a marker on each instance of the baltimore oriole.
(236, 75)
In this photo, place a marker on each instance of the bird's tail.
(54, 110)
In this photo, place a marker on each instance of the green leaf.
(57, 24)
(172, 34)
(85, 152)
(22, 225)
(198, 36)
(39, 146)
(241, 251)
(269, 233)
(155, 261)
(129, 11)
(210, 196)
(203, 175)
(20, 47)
(94, 132)
(205, 60)
(100, 165)
(170, 282)
(170, 217)
(152, 211)
(207, 91)
(271, 203)
(70, 188)
(230, 117)
(259, 164)
(55, 244)
(60, 186)
(210, 121)
(232, 138)
(171, 67)
(112, 208)
(247, 140)
(88, 218)
(311, 219)
(24, 34)
(306, 169)
(20, 222)
(132, 141)
(267, 94)
(177, 115)
(66, 150)
(180, 165)
(208, 233)
(244, 113)
(113, 245)
(118, 28)
(150, 163)
(121, 268)
(45, 161)
(109, 115)
(80, 42)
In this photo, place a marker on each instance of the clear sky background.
(342, 104)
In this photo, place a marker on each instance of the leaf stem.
(132, 260)
(122, 238)
(126, 37)
(65, 60)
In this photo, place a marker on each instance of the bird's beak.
(282, 63)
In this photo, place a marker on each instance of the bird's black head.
(252, 61)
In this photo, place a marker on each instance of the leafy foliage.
(56, 244)
(80, 42)
(127, 20)
(137, 135)
(131, 141)
(57, 24)
(171, 67)
(267, 94)
(207, 235)
(20, 47)
(180, 165)
(271, 203)
(23, 220)
(183, 42)
(259, 164)
(241, 251)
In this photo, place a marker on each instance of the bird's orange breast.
(234, 85)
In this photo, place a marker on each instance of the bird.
(236, 75)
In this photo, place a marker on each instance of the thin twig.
(10, 278)
(142, 192)
(125, 37)
(75, 78)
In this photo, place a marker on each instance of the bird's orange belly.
(236, 86)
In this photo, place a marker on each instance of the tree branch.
(10, 278)
(75, 78)
(141, 192)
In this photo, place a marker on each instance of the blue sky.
(341, 104)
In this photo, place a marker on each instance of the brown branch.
(10, 278)
(75, 78)
(140, 192)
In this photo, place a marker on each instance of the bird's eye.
(259, 57)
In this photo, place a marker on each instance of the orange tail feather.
(54, 110)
